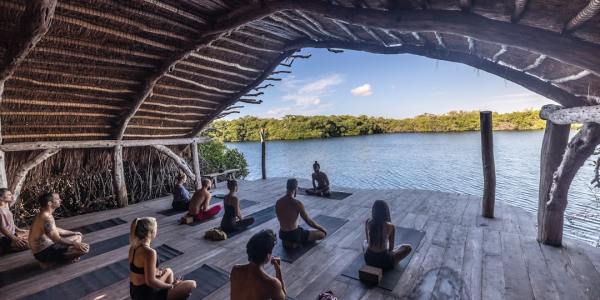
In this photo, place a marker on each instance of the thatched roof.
(166, 68)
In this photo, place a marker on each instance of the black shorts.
(144, 292)
(54, 253)
(298, 235)
(5, 243)
(383, 260)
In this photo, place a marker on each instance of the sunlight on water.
(448, 162)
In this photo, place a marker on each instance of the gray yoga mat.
(260, 217)
(244, 203)
(331, 225)
(87, 283)
(390, 277)
(171, 212)
(333, 195)
(29, 270)
(99, 225)
(209, 280)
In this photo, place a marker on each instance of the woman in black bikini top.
(232, 218)
(146, 280)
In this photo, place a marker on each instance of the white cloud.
(310, 93)
(362, 91)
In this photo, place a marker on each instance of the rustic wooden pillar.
(3, 179)
(554, 144)
(196, 165)
(181, 163)
(21, 173)
(119, 187)
(489, 168)
(263, 153)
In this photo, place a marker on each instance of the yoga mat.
(331, 225)
(243, 204)
(90, 282)
(260, 217)
(99, 225)
(391, 277)
(333, 195)
(32, 269)
(208, 279)
(171, 212)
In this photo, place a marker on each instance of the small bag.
(327, 296)
(215, 234)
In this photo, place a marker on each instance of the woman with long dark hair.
(146, 279)
(381, 232)
(232, 218)
(181, 196)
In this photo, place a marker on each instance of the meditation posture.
(12, 238)
(320, 182)
(288, 209)
(232, 218)
(181, 196)
(199, 205)
(146, 279)
(49, 243)
(250, 281)
(380, 231)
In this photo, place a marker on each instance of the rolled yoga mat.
(390, 277)
(243, 204)
(32, 269)
(99, 225)
(98, 279)
(333, 195)
(331, 225)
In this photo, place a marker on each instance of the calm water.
(442, 161)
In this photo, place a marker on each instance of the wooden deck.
(462, 256)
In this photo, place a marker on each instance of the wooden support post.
(181, 163)
(119, 187)
(263, 153)
(489, 168)
(19, 177)
(196, 165)
(3, 179)
(554, 144)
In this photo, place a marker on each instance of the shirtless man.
(199, 205)
(250, 281)
(288, 209)
(320, 182)
(12, 238)
(49, 243)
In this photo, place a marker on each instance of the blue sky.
(396, 86)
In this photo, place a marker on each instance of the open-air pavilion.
(98, 84)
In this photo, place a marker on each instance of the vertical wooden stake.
(489, 168)
(3, 179)
(119, 187)
(554, 144)
(196, 165)
(263, 153)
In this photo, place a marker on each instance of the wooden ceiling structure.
(84, 73)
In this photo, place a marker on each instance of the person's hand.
(160, 272)
(83, 247)
(177, 282)
(276, 262)
(21, 242)
(323, 230)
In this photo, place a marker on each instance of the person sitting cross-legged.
(50, 244)
(181, 196)
(320, 182)
(232, 218)
(12, 238)
(288, 209)
(250, 281)
(199, 205)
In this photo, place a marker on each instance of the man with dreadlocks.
(320, 182)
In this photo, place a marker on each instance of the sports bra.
(137, 270)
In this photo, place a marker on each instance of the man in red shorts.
(199, 205)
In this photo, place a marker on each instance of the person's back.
(287, 210)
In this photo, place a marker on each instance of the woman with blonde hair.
(146, 280)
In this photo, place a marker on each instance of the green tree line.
(293, 127)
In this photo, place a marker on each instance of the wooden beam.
(571, 77)
(579, 149)
(520, 6)
(489, 168)
(529, 82)
(118, 180)
(196, 165)
(3, 178)
(19, 177)
(28, 146)
(263, 153)
(588, 12)
(554, 144)
(181, 163)
(558, 115)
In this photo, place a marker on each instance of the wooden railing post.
(119, 187)
(263, 153)
(3, 179)
(196, 165)
(489, 168)
(554, 144)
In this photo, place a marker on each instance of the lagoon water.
(437, 161)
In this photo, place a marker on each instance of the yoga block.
(187, 220)
(370, 275)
